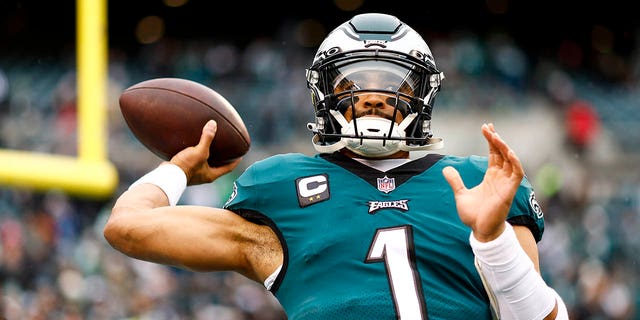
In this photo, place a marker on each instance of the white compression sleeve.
(563, 313)
(168, 177)
(518, 289)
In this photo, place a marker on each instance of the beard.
(374, 112)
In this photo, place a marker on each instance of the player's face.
(373, 103)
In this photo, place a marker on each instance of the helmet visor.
(398, 82)
(374, 75)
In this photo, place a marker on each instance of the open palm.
(484, 207)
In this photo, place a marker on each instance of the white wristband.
(168, 177)
(510, 277)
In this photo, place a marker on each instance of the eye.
(345, 85)
(406, 88)
(345, 103)
(402, 106)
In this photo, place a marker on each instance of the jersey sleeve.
(526, 211)
(261, 190)
(245, 188)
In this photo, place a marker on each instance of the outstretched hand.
(485, 207)
(193, 160)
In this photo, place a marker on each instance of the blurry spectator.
(582, 125)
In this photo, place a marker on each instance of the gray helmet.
(383, 47)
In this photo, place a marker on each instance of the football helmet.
(377, 54)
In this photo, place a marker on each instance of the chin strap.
(433, 144)
(375, 149)
(327, 148)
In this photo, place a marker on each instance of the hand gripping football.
(167, 115)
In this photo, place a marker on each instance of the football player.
(360, 230)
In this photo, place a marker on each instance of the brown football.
(167, 115)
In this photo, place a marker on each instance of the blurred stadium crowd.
(576, 131)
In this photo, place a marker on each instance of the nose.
(373, 101)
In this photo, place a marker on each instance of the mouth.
(374, 114)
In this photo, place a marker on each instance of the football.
(167, 115)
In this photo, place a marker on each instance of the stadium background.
(560, 80)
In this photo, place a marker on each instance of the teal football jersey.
(364, 244)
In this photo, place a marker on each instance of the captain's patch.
(312, 189)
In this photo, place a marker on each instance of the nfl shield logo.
(386, 184)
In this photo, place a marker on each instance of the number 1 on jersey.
(394, 246)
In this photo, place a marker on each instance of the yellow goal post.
(90, 173)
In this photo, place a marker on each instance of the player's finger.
(500, 146)
(511, 162)
(219, 171)
(453, 178)
(516, 165)
(208, 132)
(495, 157)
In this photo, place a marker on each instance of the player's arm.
(146, 224)
(507, 262)
(142, 225)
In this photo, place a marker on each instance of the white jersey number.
(395, 247)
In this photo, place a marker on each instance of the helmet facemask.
(400, 80)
